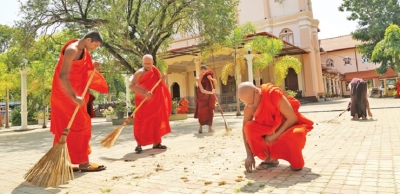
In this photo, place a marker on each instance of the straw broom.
(227, 128)
(54, 168)
(111, 138)
(335, 120)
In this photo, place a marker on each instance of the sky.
(332, 22)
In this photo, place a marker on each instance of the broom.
(227, 128)
(335, 120)
(111, 138)
(54, 168)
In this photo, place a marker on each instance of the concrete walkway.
(341, 157)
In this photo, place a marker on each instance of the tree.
(373, 17)
(132, 28)
(388, 48)
(234, 42)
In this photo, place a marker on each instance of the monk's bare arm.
(287, 111)
(202, 90)
(247, 116)
(69, 56)
(135, 80)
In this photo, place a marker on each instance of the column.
(249, 59)
(324, 82)
(24, 104)
(257, 77)
(127, 93)
(197, 62)
(238, 77)
(329, 85)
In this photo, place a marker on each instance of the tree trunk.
(7, 109)
(238, 80)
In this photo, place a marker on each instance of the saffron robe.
(151, 120)
(358, 97)
(90, 107)
(398, 88)
(184, 106)
(205, 103)
(267, 119)
(62, 105)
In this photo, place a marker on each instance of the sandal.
(138, 149)
(266, 165)
(200, 131)
(93, 168)
(159, 146)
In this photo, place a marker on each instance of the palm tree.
(234, 41)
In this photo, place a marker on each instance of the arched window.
(287, 35)
(329, 63)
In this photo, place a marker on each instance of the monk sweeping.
(272, 126)
(151, 121)
(70, 78)
(205, 98)
(359, 105)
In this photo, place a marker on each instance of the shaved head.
(148, 56)
(246, 92)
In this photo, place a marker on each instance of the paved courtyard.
(340, 157)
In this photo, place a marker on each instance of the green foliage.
(162, 66)
(16, 116)
(282, 66)
(373, 17)
(232, 43)
(388, 48)
(120, 108)
(290, 93)
(132, 28)
(265, 50)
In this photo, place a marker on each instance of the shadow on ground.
(281, 176)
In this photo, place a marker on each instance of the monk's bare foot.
(210, 130)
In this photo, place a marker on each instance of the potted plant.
(328, 95)
(290, 93)
(174, 106)
(40, 117)
(109, 113)
(120, 110)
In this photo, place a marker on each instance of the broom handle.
(216, 98)
(141, 103)
(83, 96)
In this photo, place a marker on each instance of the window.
(329, 63)
(364, 59)
(347, 86)
(287, 35)
(346, 61)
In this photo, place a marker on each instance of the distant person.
(205, 98)
(398, 87)
(358, 105)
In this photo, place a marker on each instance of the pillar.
(127, 93)
(249, 59)
(197, 62)
(24, 104)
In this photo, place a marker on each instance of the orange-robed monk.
(398, 87)
(272, 126)
(151, 119)
(70, 78)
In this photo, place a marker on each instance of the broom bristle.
(111, 138)
(53, 169)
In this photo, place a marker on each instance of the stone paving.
(340, 157)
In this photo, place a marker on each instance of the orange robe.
(62, 106)
(267, 120)
(184, 106)
(151, 119)
(398, 88)
(205, 103)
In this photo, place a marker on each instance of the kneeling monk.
(70, 78)
(272, 126)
